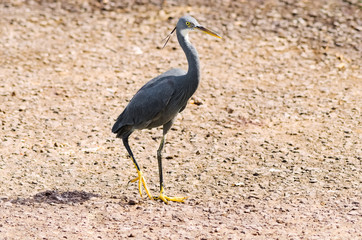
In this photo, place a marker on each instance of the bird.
(160, 100)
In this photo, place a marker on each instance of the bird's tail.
(116, 127)
(121, 130)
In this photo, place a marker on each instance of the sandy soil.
(269, 148)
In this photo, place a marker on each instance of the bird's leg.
(163, 197)
(159, 158)
(141, 180)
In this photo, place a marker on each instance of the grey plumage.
(159, 101)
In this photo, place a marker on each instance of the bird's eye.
(188, 24)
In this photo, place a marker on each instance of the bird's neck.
(193, 72)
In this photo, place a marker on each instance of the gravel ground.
(269, 147)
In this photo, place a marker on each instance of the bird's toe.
(141, 181)
(166, 199)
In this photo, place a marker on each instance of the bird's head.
(187, 23)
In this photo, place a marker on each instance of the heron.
(159, 101)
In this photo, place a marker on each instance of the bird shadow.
(55, 197)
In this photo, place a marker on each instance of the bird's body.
(159, 101)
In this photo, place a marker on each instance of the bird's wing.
(148, 102)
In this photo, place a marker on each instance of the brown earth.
(269, 147)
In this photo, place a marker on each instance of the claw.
(165, 199)
(141, 181)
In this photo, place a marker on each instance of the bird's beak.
(208, 31)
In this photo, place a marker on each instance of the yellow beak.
(208, 31)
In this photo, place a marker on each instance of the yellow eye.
(188, 23)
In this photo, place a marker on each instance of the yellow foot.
(165, 199)
(141, 180)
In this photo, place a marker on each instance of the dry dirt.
(269, 147)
